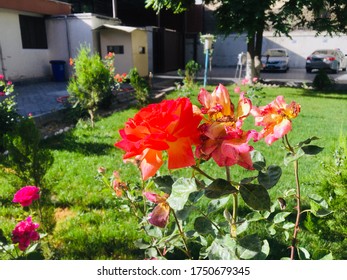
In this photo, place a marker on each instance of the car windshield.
(277, 53)
(327, 52)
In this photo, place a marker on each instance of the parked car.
(331, 59)
(275, 60)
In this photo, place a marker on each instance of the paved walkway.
(42, 99)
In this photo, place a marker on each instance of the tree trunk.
(254, 49)
(250, 58)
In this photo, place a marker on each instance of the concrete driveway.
(299, 74)
(228, 74)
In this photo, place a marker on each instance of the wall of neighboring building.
(299, 46)
(18, 63)
(111, 37)
(66, 34)
(140, 60)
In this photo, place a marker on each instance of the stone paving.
(41, 99)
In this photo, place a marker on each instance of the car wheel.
(336, 71)
(308, 70)
(344, 69)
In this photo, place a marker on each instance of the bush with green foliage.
(322, 81)
(140, 86)
(191, 69)
(92, 83)
(8, 115)
(26, 157)
(333, 228)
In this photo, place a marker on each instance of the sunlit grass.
(95, 228)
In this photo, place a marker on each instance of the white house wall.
(299, 46)
(18, 63)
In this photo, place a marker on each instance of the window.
(33, 32)
(115, 49)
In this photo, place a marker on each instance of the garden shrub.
(140, 86)
(191, 69)
(333, 188)
(92, 83)
(25, 155)
(322, 81)
(8, 115)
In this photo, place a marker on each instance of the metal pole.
(114, 8)
(206, 66)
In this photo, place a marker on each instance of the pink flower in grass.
(26, 195)
(160, 214)
(276, 118)
(2, 77)
(2, 93)
(24, 233)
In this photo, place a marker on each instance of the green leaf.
(254, 216)
(218, 188)
(139, 243)
(290, 157)
(227, 215)
(181, 190)
(3, 239)
(185, 212)
(270, 177)
(217, 204)
(258, 160)
(322, 254)
(265, 251)
(241, 227)
(307, 141)
(271, 229)
(223, 248)
(288, 225)
(203, 225)
(303, 254)
(153, 231)
(255, 196)
(281, 217)
(312, 150)
(195, 196)
(164, 183)
(248, 247)
(319, 207)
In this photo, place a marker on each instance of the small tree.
(92, 82)
(191, 69)
(26, 157)
(140, 86)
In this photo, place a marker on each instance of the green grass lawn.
(89, 220)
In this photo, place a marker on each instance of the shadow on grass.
(71, 143)
(327, 94)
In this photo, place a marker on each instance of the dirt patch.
(62, 214)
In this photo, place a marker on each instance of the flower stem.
(234, 216)
(298, 209)
(202, 172)
(233, 226)
(298, 201)
(182, 235)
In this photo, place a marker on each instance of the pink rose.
(26, 195)
(2, 77)
(24, 233)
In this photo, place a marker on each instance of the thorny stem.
(233, 226)
(234, 216)
(182, 235)
(298, 201)
(202, 172)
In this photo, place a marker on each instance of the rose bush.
(170, 130)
